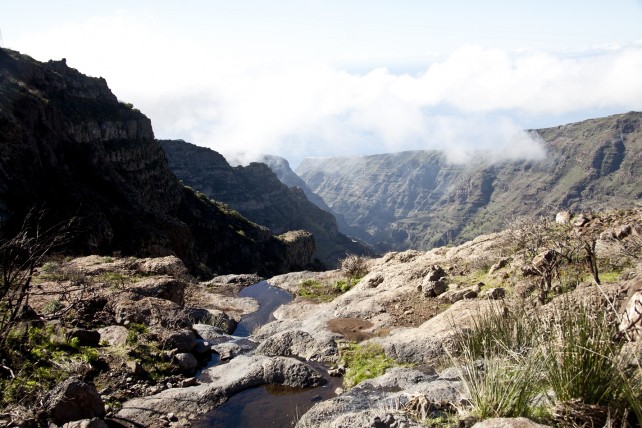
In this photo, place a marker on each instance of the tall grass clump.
(499, 362)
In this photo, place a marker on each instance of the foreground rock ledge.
(226, 380)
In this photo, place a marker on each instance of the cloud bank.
(473, 99)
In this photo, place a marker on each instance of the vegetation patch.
(364, 362)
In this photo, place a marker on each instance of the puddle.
(268, 405)
(269, 298)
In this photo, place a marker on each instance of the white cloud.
(473, 99)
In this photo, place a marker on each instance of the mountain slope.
(256, 192)
(419, 200)
(70, 148)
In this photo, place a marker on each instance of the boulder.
(169, 265)
(208, 332)
(496, 293)
(373, 281)
(86, 423)
(508, 423)
(435, 273)
(163, 287)
(213, 317)
(183, 340)
(73, 400)
(150, 311)
(114, 335)
(292, 343)
(185, 361)
(456, 294)
(432, 288)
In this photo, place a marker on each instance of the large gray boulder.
(292, 343)
(226, 380)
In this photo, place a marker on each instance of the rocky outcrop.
(256, 192)
(69, 148)
(240, 373)
(73, 400)
(419, 200)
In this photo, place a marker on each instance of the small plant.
(134, 332)
(354, 266)
(364, 362)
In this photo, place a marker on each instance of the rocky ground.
(151, 326)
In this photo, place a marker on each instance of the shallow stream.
(267, 405)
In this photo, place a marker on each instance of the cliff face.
(69, 147)
(419, 200)
(256, 192)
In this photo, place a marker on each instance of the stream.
(266, 405)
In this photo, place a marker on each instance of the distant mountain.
(69, 148)
(257, 193)
(419, 200)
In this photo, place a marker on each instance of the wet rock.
(73, 400)
(224, 381)
(208, 332)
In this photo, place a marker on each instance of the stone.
(86, 423)
(580, 221)
(499, 265)
(508, 423)
(435, 273)
(373, 281)
(631, 318)
(183, 340)
(432, 288)
(161, 287)
(496, 293)
(185, 361)
(73, 400)
(169, 265)
(114, 335)
(452, 296)
(85, 337)
(135, 367)
(563, 217)
(208, 332)
(227, 351)
(150, 311)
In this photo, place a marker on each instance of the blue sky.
(325, 78)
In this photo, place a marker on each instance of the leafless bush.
(20, 256)
(354, 266)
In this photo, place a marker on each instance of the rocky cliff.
(419, 200)
(256, 192)
(70, 148)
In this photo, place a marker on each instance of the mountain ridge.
(416, 199)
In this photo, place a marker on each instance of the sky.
(352, 77)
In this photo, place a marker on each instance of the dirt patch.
(351, 329)
(413, 309)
